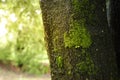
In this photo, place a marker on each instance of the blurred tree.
(21, 34)
(79, 41)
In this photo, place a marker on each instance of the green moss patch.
(78, 36)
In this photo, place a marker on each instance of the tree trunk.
(115, 25)
(79, 42)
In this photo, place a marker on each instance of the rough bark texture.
(78, 40)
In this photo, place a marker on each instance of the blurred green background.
(22, 36)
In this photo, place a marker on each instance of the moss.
(86, 65)
(69, 72)
(56, 47)
(59, 61)
(78, 36)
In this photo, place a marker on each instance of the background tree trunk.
(115, 25)
(79, 43)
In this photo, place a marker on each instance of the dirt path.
(10, 75)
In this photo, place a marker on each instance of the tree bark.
(115, 25)
(78, 40)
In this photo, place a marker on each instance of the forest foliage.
(21, 35)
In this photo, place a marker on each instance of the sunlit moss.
(78, 35)
(59, 61)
